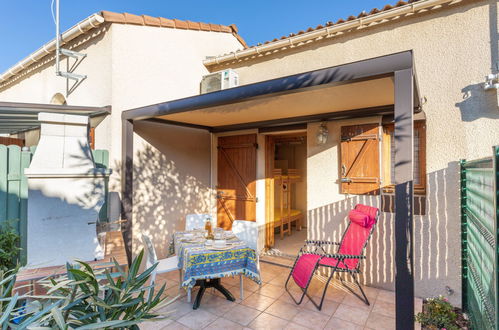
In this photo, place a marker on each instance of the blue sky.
(25, 25)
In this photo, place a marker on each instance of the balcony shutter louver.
(359, 168)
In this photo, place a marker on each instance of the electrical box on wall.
(219, 80)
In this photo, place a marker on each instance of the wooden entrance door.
(236, 171)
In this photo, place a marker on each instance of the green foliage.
(7, 300)
(438, 314)
(89, 299)
(9, 247)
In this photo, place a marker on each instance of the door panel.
(236, 188)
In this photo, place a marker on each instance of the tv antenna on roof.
(69, 73)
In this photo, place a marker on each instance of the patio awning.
(356, 89)
(16, 117)
(375, 86)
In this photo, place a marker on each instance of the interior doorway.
(286, 193)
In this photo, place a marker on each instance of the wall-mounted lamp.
(322, 134)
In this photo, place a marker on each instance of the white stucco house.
(301, 99)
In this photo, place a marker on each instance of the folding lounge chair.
(361, 224)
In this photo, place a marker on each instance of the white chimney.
(66, 192)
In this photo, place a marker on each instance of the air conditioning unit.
(219, 80)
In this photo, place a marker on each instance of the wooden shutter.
(91, 138)
(236, 189)
(360, 172)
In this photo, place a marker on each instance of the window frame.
(388, 186)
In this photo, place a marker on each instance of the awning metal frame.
(407, 101)
(17, 117)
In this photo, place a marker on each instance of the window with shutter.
(419, 157)
(360, 172)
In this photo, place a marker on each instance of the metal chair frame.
(319, 250)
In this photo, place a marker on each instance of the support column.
(404, 175)
(127, 184)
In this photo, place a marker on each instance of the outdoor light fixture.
(322, 134)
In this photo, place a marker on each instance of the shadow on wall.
(478, 103)
(170, 180)
(437, 242)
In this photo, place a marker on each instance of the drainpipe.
(57, 38)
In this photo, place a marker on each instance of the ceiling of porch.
(322, 99)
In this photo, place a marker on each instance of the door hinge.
(256, 145)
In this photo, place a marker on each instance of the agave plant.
(8, 301)
(89, 299)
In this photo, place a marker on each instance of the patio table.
(202, 266)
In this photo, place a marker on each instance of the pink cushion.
(304, 269)
(369, 210)
(360, 218)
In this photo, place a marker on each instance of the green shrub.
(9, 247)
(89, 299)
(438, 314)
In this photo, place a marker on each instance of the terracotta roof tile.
(127, 18)
(193, 25)
(179, 24)
(133, 19)
(165, 22)
(204, 26)
(224, 28)
(215, 28)
(350, 18)
(234, 28)
(152, 21)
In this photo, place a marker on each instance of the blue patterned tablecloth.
(199, 262)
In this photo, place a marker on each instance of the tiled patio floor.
(270, 307)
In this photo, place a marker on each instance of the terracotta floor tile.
(384, 308)
(352, 314)
(280, 280)
(354, 301)
(286, 298)
(223, 323)
(308, 317)
(216, 305)
(267, 321)
(339, 324)
(155, 325)
(386, 296)
(328, 307)
(176, 326)
(271, 291)
(295, 326)
(176, 310)
(258, 301)
(242, 315)
(197, 319)
(283, 310)
(380, 322)
(232, 281)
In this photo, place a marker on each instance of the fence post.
(464, 233)
(26, 156)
